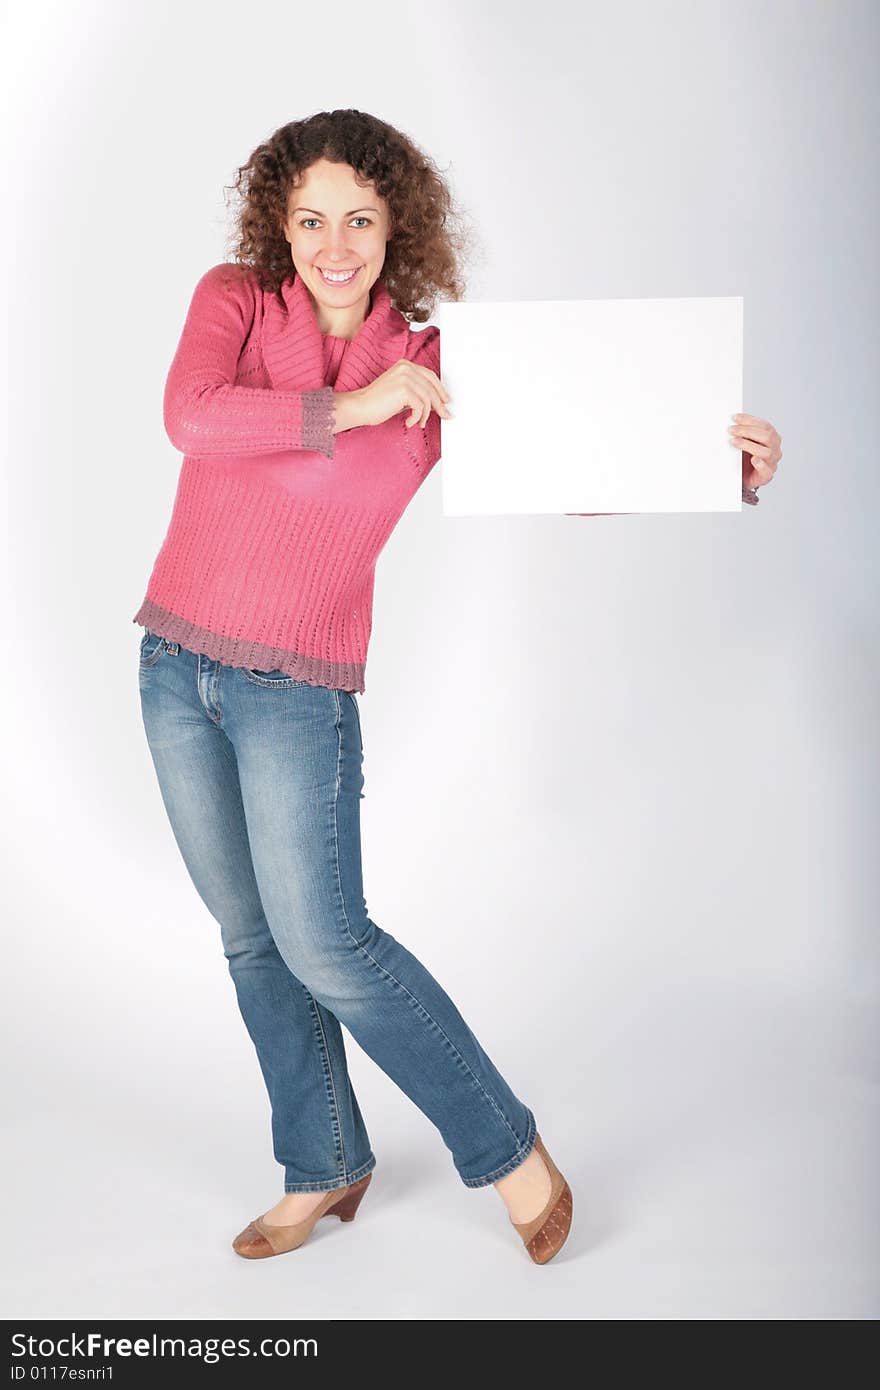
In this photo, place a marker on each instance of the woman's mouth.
(338, 277)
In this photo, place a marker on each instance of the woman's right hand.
(405, 385)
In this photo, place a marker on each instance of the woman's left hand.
(761, 447)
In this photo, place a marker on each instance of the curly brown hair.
(428, 238)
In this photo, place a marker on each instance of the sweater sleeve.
(425, 443)
(205, 413)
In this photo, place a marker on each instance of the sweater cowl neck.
(293, 345)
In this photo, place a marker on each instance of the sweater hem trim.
(257, 656)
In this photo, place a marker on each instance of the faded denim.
(261, 776)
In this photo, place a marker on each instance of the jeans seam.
(325, 1052)
(330, 1184)
(387, 973)
(522, 1153)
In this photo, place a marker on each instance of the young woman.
(308, 413)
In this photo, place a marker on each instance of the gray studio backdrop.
(620, 772)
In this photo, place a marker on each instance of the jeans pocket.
(151, 648)
(276, 679)
(357, 712)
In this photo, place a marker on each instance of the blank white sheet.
(591, 405)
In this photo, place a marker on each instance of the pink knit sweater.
(269, 557)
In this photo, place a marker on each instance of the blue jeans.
(261, 777)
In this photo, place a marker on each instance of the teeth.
(339, 276)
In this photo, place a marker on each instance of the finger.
(750, 446)
(752, 420)
(433, 381)
(764, 470)
(750, 432)
(761, 470)
(434, 401)
(417, 406)
(426, 392)
(440, 398)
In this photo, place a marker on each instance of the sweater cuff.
(318, 418)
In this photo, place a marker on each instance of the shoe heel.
(346, 1207)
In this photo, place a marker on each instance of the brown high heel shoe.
(259, 1240)
(546, 1233)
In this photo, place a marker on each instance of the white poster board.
(591, 405)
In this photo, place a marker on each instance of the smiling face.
(335, 224)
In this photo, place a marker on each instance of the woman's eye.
(305, 220)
